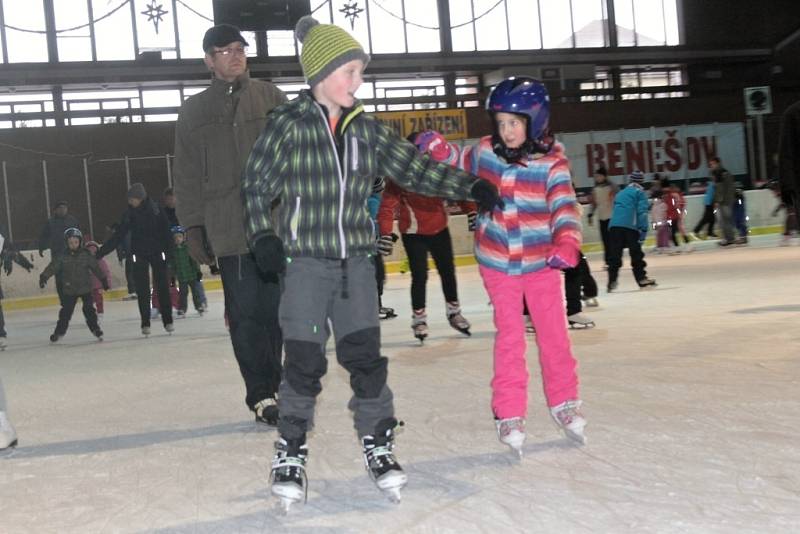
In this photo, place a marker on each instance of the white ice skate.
(590, 302)
(8, 436)
(579, 321)
(457, 320)
(288, 480)
(419, 324)
(511, 431)
(170, 328)
(569, 419)
(146, 331)
(381, 464)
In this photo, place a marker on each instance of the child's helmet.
(177, 229)
(73, 232)
(529, 98)
(523, 96)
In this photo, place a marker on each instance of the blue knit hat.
(637, 177)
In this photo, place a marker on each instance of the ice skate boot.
(612, 286)
(170, 328)
(386, 313)
(146, 331)
(55, 337)
(569, 419)
(267, 412)
(419, 324)
(98, 334)
(529, 328)
(181, 314)
(288, 480)
(579, 321)
(511, 431)
(8, 436)
(380, 462)
(646, 283)
(590, 302)
(457, 320)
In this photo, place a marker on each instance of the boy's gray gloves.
(270, 257)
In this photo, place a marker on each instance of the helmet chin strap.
(528, 148)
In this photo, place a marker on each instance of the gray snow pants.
(320, 293)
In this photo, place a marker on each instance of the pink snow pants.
(543, 293)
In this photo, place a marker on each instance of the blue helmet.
(177, 229)
(523, 96)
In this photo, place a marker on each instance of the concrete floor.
(691, 391)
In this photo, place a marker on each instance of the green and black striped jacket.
(310, 187)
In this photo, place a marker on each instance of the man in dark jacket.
(215, 131)
(151, 242)
(789, 157)
(52, 237)
(74, 267)
(724, 196)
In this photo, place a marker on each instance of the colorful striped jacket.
(540, 217)
(310, 186)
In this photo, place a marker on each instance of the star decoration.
(351, 11)
(155, 13)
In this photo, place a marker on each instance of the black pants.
(183, 296)
(441, 248)
(141, 276)
(68, 307)
(576, 279)
(604, 238)
(60, 288)
(251, 303)
(674, 229)
(2, 320)
(707, 219)
(620, 239)
(129, 276)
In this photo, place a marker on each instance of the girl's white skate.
(511, 431)
(569, 419)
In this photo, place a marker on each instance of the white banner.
(682, 152)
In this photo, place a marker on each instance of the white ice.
(691, 391)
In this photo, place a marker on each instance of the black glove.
(485, 194)
(42, 281)
(472, 220)
(106, 286)
(198, 246)
(269, 254)
(214, 269)
(385, 245)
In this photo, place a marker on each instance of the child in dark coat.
(74, 269)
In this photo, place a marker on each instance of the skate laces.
(290, 466)
(418, 318)
(377, 454)
(506, 427)
(567, 413)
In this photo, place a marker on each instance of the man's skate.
(646, 283)
(380, 462)
(419, 324)
(98, 334)
(8, 436)
(288, 480)
(579, 321)
(569, 419)
(511, 432)
(457, 320)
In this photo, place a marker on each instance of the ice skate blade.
(9, 449)
(285, 505)
(577, 437)
(581, 326)
(287, 495)
(393, 494)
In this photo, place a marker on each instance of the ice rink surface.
(692, 392)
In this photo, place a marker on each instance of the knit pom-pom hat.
(326, 47)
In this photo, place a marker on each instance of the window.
(25, 32)
(73, 45)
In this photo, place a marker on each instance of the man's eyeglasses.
(231, 52)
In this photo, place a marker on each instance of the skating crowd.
(295, 202)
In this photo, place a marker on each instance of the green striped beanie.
(326, 47)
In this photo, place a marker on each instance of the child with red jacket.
(676, 209)
(423, 222)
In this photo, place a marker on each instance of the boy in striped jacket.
(305, 189)
(521, 249)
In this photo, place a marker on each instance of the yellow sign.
(451, 123)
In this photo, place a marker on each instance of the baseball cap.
(222, 35)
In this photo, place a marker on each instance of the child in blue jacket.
(628, 229)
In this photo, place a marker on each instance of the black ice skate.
(267, 412)
(612, 286)
(55, 337)
(457, 320)
(386, 313)
(288, 478)
(98, 334)
(646, 283)
(419, 324)
(380, 462)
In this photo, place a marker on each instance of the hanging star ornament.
(350, 12)
(155, 13)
